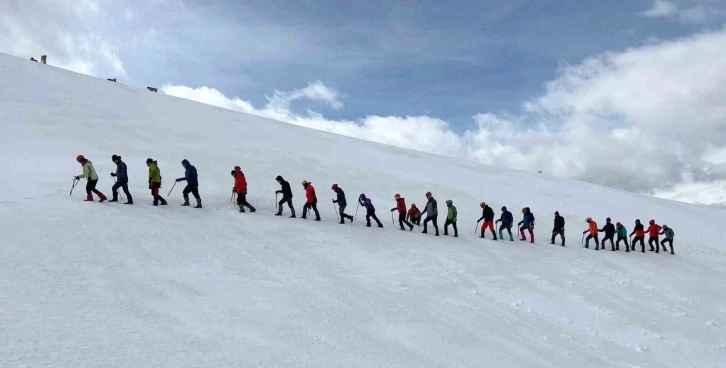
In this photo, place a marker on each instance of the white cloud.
(640, 119)
(669, 9)
(63, 32)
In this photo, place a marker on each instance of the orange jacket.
(593, 227)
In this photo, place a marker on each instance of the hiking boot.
(242, 210)
(342, 221)
(101, 197)
(380, 225)
(411, 228)
(199, 205)
(293, 216)
(317, 219)
(129, 202)
(113, 200)
(368, 225)
(89, 198)
(185, 204)
(253, 210)
(278, 214)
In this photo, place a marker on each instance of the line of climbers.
(406, 216)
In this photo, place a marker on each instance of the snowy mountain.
(103, 284)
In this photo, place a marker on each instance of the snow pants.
(194, 189)
(640, 239)
(606, 238)
(431, 219)
(343, 215)
(509, 230)
(669, 241)
(561, 233)
(597, 242)
(488, 225)
(446, 227)
(123, 184)
(416, 220)
(402, 221)
(155, 193)
(531, 233)
(308, 206)
(617, 243)
(284, 200)
(242, 202)
(372, 214)
(651, 240)
(91, 188)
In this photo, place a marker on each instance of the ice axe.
(75, 182)
(392, 223)
(336, 211)
(172, 188)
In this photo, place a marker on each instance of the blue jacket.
(121, 173)
(528, 220)
(366, 202)
(190, 174)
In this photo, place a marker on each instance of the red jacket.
(240, 183)
(414, 212)
(310, 194)
(401, 205)
(653, 230)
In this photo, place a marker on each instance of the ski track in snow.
(90, 284)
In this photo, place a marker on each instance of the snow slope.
(89, 284)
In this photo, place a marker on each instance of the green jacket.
(88, 171)
(154, 173)
(451, 214)
(623, 232)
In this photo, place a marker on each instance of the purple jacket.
(366, 202)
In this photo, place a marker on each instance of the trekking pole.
(172, 188)
(476, 227)
(336, 211)
(583, 239)
(75, 182)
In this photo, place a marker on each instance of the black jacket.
(637, 227)
(609, 229)
(559, 224)
(487, 214)
(506, 218)
(341, 197)
(286, 191)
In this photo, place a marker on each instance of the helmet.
(237, 168)
(80, 158)
(618, 224)
(637, 221)
(608, 219)
(149, 160)
(397, 196)
(588, 219)
(449, 202)
(334, 187)
(305, 182)
(557, 213)
(651, 222)
(482, 205)
(428, 194)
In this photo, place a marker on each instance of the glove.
(77, 177)
(333, 200)
(278, 192)
(393, 209)
(178, 180)
(113, 174)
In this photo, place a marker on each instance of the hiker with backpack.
(401, 207)
(240, 188)
(122, 180)
(190, 176)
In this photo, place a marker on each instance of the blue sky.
(628, 94)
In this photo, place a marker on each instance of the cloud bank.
(644, 119)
